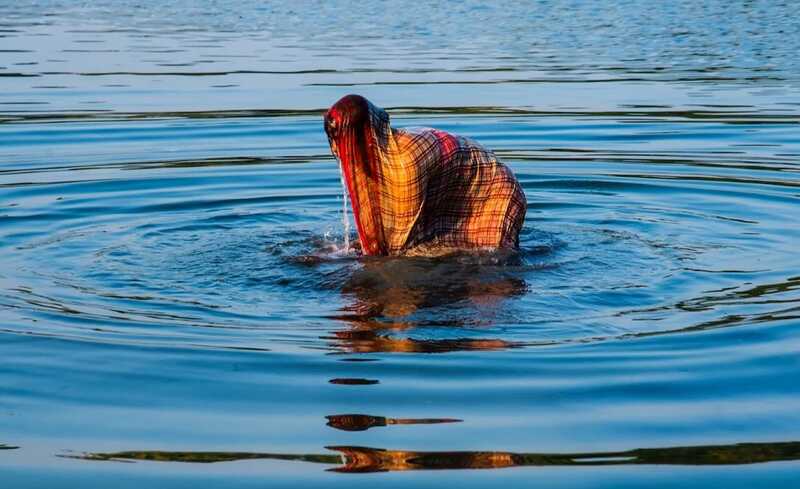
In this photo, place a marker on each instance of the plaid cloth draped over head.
(421, 191)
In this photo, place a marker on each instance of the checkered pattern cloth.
(421, 191)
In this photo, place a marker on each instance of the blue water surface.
(177, 308)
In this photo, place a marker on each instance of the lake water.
(174, 292)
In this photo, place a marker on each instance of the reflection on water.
(400, 295)
(353, 381)
(399, 287)
(366, 337)
(361, 422)
(363, 459)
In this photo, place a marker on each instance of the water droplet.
(345, 217)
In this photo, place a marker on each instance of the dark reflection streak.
(423, 71)
(234, 348)
(204, 457)
(364, 459)
(353, 381)
(47, 304)
(230, 161)
(729, 296)
(703, 270)
(789, 285)
(124, 315)
(709, 178)
(362, 422)
(127, 316)
(94, 340)
(150, 299)
(772, 164)
(724, 322)
(730, 116)
(266, 72)
(365, 341)
(7, 447)
(148, 165)
(679, 79)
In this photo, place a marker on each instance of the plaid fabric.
(421, 191)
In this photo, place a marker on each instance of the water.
(345, 217)
(174, 290)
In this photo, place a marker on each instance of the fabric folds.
(421, 190)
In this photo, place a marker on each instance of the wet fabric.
(421, 190)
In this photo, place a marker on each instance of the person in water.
(421, 191)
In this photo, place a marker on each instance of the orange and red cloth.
(421, 191)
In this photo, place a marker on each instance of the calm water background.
(172, 283)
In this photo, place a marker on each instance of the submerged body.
(421, 191)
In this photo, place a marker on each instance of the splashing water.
(345, 218)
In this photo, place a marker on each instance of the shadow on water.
(364, 459)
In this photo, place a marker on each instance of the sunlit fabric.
(421, 191)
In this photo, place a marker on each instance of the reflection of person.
(421, 191)
(362, 422)
(399, 287)
(372, 337)
(362, 459)
(365, 459)
(389, 299)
